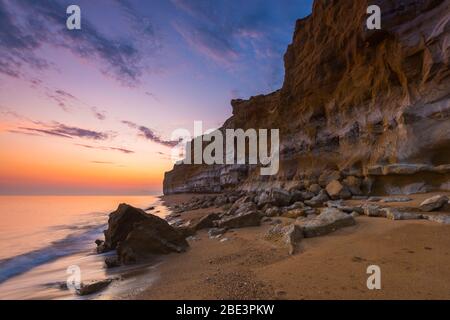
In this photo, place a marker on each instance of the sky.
(92, 111)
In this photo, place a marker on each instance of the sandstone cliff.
(374, 105)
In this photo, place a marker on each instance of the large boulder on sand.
(434, 203)
(328, 221)
(136, 235)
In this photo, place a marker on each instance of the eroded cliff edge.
(373, 105)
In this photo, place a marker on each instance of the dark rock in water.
(206, 222)
(93, 287)
(136, 235)
(99, 242)
(150, 208)
(112, 262)
(247, 219)
(101, 247)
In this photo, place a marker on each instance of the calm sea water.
(41, 236)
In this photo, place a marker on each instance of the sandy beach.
(413, 257)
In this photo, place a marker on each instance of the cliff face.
(371, 104)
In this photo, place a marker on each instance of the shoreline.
(412, 254)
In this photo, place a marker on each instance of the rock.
(329, 176)
(328, 221)
(347, 209)
(337, 191)
(374, 199)
(405, 169)
(434, 203)
(216, 232)
(242, 220)
(220, 201)
(396, 199)
(238, 208)
(315, 188)
(353, 184)
(443, 219)
(318, 200)
(93, 287)
(372, 210)
(355, 214)
(272, 212)
(120, 224)
(280, 197)
(112, 262)
(294, 213)
(150, 208)
(289, 235)
(206, 221)
(263, 199)
(394, 214)
(135, 235)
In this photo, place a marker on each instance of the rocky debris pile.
(136, 235)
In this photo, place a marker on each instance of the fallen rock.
(93, 287)
(206, 222)
(216, 232)
(353, 184)
(272, 212)
(394, 214)
(329, 176)
(328, 221)
(294, 213)
(315, 188)
(318, 200)
(396, 199)
(337, 191)
(280, 197)
(443, 219)
(289, 235)
(372, 210)
(434, 203)
(242, 220)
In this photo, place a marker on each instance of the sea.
(42, 238)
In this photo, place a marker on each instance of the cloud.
(64, 131)
(122, 150)
(37, 23)
(149, 134)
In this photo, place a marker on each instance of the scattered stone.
(289, 235)
(394, 214)
(372, 210)
(272, 212)
(294, 213)
(224, 239)
(374, 199)
(329, 176)
(93, 287)
(396, 199)
(318, 200)
(112, 262)
(443, 219)
(328, 221)
(434, 203)
(353, 184)
(242, 220)
(315, 188)
(280, 197)
(206, 222)
(214, 232)
(337, 191)
(355, 214)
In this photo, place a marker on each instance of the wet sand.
(413, 256)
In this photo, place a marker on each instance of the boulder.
(315, 188)
(337, 191)
(434, 203)
(396, 199)
(294, 213)
(205, 222)
(216, 232)
(372, 210)
(112, 262)
(242, 220)
(135, 235)
(353, 184)
(272, 212)
(289, 235)
(394, 214)
(280, 197)
(329, 176)
(443, 219)
(318, 200)
(120, 224)
(328, 221)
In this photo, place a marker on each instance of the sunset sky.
(92, 111)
